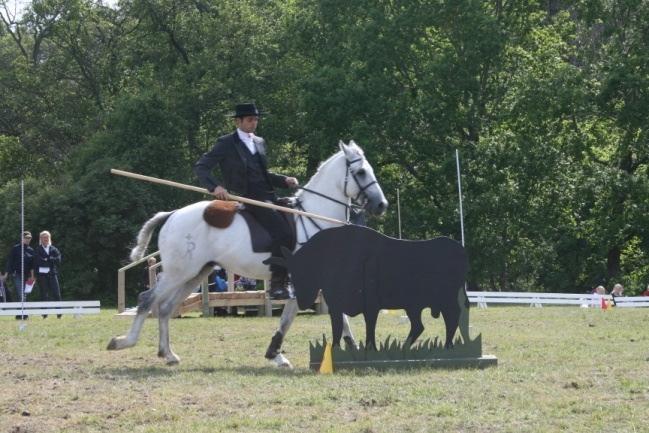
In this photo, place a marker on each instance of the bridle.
(354, 205)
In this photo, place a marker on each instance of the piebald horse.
(190, 248)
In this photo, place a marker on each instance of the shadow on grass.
(171, 371)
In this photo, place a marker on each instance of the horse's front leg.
(273, 353)
(336, 327)
(348, 337)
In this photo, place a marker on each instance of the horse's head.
(360, 183)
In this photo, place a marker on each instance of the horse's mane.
(352, 145)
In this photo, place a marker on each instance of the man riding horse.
(241, 158)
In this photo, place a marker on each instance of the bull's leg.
(416, 325)
(146, 301)
(451, 316)
(166, 309)
(273, 353)
(370, 328)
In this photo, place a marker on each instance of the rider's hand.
(220, 193)
(292, 182)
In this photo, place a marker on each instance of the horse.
(190, 248)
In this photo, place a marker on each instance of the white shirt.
(47, 249)
(247, 139)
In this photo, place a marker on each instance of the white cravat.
(247, 140)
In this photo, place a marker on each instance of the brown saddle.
(221, 213)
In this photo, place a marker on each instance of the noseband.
(361, 189)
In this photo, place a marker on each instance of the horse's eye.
(361, 172)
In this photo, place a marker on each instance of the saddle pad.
(220, 213)
(261, 241)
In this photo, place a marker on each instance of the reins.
(349, 207)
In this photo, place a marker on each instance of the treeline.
(546, 101)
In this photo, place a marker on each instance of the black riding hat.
(248, 109)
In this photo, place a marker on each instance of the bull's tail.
(144, 236)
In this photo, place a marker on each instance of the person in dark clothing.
(13, 267)
(241, 158)
(46, 265)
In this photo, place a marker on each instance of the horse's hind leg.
(166, 309)
(273, 353)
(145, 301)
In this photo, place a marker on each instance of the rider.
(241, 157)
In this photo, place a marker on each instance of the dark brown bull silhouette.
(362, 271)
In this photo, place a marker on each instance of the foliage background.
(547, 103)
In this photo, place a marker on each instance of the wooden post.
(268, 305)
(121, 288)
(205, 292)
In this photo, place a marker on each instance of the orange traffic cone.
(327, 367)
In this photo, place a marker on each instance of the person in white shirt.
(241, 159)
(46, 267)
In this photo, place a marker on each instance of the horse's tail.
(144, 236)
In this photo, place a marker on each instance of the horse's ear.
(345, 148)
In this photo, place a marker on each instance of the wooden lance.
(230, 196)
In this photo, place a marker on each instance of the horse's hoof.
(115, 343)
(281, 361)
(170, 358)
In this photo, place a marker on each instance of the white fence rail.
(482, 299)
(54, 307)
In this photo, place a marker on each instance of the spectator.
(599, 290)
(3, 290)
(46, 264)
(146, 276)
(220, 281)
(13, 268)
(646, 292)
(618, 290)
(597, 300)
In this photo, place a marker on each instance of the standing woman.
(46, 265)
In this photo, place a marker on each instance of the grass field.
(559, 369)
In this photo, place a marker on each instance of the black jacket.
(13, 260)
(42, 259)
(228, 154)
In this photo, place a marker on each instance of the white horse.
(190, 248)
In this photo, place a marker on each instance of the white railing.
(54, 307)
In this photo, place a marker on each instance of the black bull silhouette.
(362, 271)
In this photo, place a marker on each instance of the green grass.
(559, 369)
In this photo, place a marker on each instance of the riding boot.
(278, 284)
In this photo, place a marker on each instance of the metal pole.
(399, 212)
(21, 289)
(459, 190)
